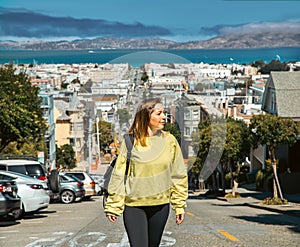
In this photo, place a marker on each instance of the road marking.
(124, 242)
(60, 233)
(85, 237)
(33, 222)
(12, 231)
(190, 213)
(227, 235)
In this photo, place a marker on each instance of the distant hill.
(256, 40)
(232, 41)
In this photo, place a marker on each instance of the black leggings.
(145, 225)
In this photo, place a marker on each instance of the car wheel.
(54, 181)
(67, 196)
(18, 214)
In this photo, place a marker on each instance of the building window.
(195, 129)
(187, 131)
(72, 142)
(79, 126)
(273, 102)
(187, 114)
(195, 114)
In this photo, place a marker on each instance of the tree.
(237, 147)
(65, 156)
(123, 115)
(208, 143)
(258, 64)
(227, 147)
(145, 77)
(274, 65)
(64, 85)
(271, 130)
(75, 81)
(105, 134)
(173, 128)
(21, 115)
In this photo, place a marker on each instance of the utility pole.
(90, 141)
(98, 140)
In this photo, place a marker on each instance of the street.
(208, 222)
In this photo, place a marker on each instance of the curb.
(292, 209)
(293, 212)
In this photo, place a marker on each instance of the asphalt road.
(208, 222)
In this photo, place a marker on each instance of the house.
(187, 115)
(281, 98)
(69, 120)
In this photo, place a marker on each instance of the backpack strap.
(129, 139)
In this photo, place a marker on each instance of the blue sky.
(173, 19)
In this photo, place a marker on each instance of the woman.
(157, 177)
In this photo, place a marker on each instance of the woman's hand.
(179, 218)
(112, 218)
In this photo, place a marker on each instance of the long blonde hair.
(141, 120)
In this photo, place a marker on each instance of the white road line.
(12, 231)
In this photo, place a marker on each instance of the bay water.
(137, 58)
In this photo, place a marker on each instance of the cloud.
(23, 23)
(292, 26)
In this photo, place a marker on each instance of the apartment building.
(69, 118)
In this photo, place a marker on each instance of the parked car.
(88, 181)
(10, 203)
(29, 166)
(32, 192)
(99, 183)
(71, 189)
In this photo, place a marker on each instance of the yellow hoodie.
(157, 175)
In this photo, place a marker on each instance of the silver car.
(71, 189)
(88, 181)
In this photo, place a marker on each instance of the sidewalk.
(252, 198)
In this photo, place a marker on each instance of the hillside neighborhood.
(90, 107)
(77, 97)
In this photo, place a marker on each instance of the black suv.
(10, 203)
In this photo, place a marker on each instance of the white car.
(88, 181)
(32, 192)
(99, 183)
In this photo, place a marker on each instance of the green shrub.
(227, 179)
(274, 201)
(230, 195)
(263, 177)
